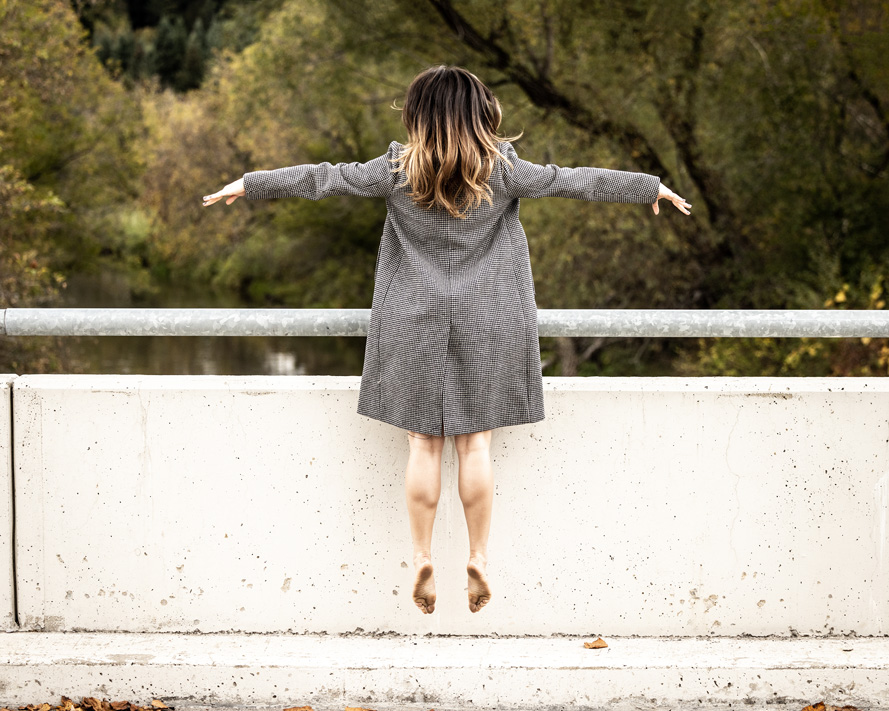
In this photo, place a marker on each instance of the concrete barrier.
(640, 506)
(7, 589)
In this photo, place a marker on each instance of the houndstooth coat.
(452, 343)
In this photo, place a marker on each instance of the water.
(197, 355)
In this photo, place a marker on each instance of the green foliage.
(26, 216)
(65, 161)
(172, 41)
(811, 357)
(274, 104)
(169, 49)
(728, 103)
(191, 73)
(27, 278)
(770, 116)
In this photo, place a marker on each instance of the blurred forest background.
(770, 116)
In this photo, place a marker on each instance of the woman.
(452, 345)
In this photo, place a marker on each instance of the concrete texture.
(640, 506)
(7, 590)
(420, 673)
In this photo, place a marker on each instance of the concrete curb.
(414, 672)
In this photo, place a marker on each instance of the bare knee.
(473, 443)
(424, 444)
(423, 477)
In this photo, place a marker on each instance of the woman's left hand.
(232, 191)
(664, 192)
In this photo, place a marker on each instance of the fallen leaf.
(598, 644)
(300, 708)
(158, 704)
(821, 706)
(120, 705)
(357, 708)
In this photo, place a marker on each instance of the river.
(198, 355)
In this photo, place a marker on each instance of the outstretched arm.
(530, 180)
(314, 181)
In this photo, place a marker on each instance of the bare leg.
(422, 491)
(476, 487)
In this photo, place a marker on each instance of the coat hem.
(494, 424)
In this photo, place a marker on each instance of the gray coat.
(452, 343)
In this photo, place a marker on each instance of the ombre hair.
(452, 120)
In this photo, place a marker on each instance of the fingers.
(681, 203)
(216, 197)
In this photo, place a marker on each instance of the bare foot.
(424, 584)
(479, 590)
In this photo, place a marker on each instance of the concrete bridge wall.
(640, 506)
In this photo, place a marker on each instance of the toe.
(476, 603)
(425, 605)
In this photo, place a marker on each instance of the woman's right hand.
(666, 193)
(232, 191)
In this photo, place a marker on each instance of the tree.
(191, 74)
(65, 129)
(169, 49)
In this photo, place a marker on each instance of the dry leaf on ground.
(89, 703)
(598, 644)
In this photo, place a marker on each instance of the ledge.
(418, 672)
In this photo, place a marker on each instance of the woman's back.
(452, 344)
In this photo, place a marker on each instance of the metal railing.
(817, 323)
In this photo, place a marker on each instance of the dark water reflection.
(198, 355)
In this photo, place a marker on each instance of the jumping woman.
(452, 345)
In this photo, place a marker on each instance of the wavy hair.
(452, 120)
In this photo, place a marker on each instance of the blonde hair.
(452, 120)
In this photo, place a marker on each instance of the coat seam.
(524, 324)
(380, 329)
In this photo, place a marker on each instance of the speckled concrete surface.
(640, 506)
(329, 671)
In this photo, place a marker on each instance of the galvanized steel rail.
(818, 323)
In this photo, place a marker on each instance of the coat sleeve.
(530, 180)
(321, 180)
